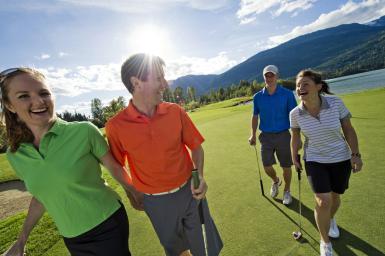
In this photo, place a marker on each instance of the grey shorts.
(276, 143)
(176, 221)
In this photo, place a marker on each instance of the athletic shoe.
(334, 232)
(287, 198)
(274, 188)
(325, 249)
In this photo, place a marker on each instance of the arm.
(254, 126)
(121, 175)
(35, 212)
(296, 145)
(352, 140)
(197, 156)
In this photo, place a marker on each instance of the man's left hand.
(200, 192)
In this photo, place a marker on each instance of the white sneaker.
(274, 188)
(334, 232)
(287, 198)
(325, 249)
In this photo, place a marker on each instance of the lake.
(357, 82)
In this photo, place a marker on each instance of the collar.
(324, 105)
(57, 127)
(266, 92)
(161, 109)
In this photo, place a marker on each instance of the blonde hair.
(17, 131)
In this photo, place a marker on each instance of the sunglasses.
(6, 73)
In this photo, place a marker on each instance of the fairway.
(249, 223)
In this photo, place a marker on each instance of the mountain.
(200, 82)
(336, 50)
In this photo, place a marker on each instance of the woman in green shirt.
(59, 163)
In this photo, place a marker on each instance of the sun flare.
(151, 39)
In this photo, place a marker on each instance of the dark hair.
(17, 130)
(139, 66)
(316, 78)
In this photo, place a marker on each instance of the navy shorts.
(328, 177)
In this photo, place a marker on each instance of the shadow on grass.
(13, 184)
(303, 240)
(340, 245)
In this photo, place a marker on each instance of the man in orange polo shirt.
(154, 138)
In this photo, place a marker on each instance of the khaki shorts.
(276, 144)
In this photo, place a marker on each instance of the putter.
(259, 172)
(298, 234)
(196, 182)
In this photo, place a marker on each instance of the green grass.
(254, 225)
(6, 171)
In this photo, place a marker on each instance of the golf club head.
(297, 235)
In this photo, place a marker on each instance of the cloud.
(83, 107)
(351, 12)
(198, 66)
(43, 56)
(62, 54)
(73, 82)
(145, 6)
(249, 9)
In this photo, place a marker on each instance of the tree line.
(186, 98)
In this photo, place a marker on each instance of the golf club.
(196, 182)
(298, 234)
(259, 171)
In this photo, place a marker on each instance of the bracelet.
(356, 154)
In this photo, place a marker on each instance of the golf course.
(249, 223)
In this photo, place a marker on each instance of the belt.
(168, 192)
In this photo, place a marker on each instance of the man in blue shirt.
(273, 104)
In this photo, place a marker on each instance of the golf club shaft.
(259, 172)
(299, 191)
(196, 182)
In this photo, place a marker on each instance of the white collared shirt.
(324, 141)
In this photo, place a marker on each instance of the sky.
(80, 44)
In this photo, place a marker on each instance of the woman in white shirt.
(329, 154)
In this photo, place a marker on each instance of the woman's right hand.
(17, 249)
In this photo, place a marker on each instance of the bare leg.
(287, 177)
(185, 253)
(271, 172)
(335, 204)
(322, 214)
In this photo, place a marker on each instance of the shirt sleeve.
(11, 159)
(190, 134)
(99, 145)
(292, 103)
(293, 119)
(116, 147)
(255, 106)
(342, 110)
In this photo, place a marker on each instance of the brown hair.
(316, 78)
(17, 130)
(139, 66)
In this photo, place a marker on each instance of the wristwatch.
(356, 154)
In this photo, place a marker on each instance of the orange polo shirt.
(156, 147)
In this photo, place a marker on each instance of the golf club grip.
(297, 169)
(195, 178)
(263, 191)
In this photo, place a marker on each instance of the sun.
(151, 39)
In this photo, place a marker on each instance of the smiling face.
(151, 90)
(31, 99)
(270, 78)
(306, 88)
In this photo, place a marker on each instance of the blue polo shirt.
(273, 110)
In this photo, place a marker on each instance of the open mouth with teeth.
(302, 93)
(39, 111)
